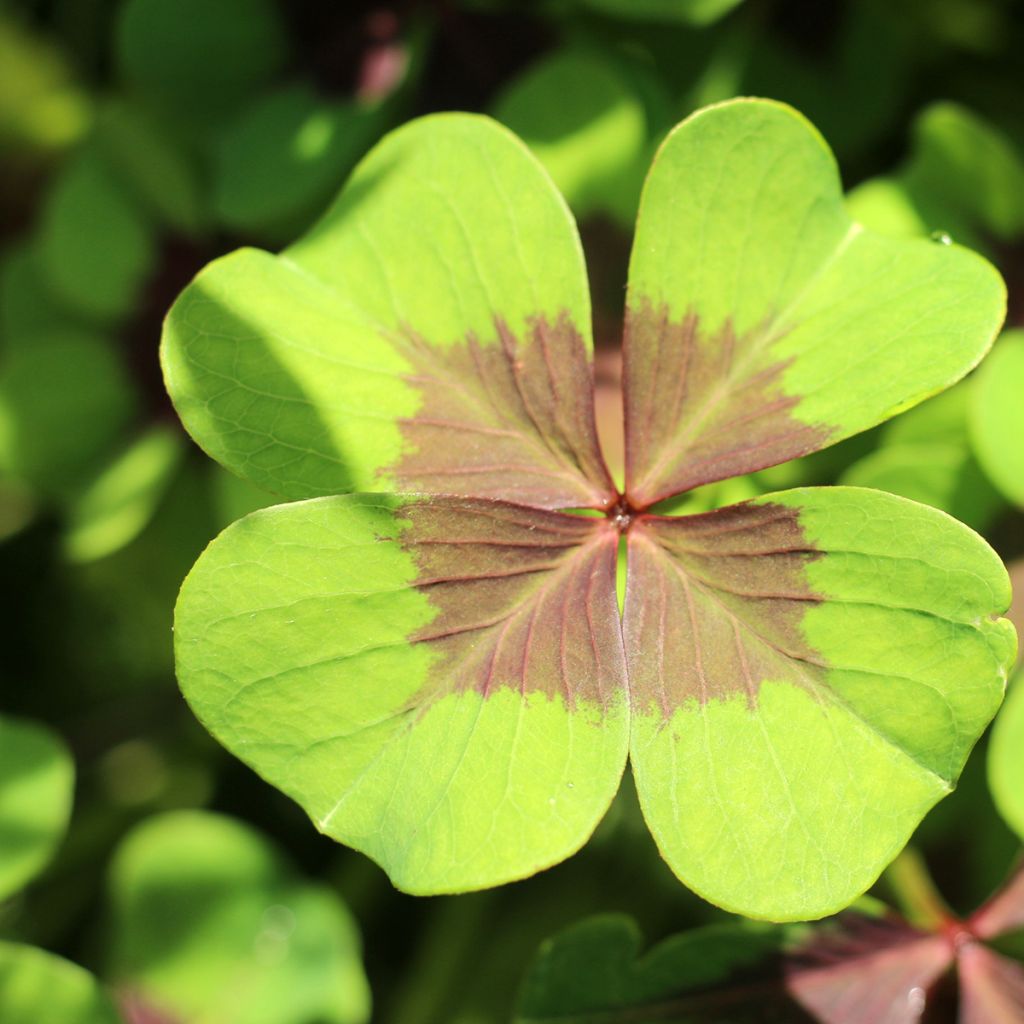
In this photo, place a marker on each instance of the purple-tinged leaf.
(873, 971)
(991, 987)
(1004, 912)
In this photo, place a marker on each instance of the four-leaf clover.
(435, 666)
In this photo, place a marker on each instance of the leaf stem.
(915, 892)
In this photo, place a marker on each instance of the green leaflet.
(123, 498)
(594, 973)
(963, 178)
(466, 725)
(173, 52)
(997, 416)
(926, 455)
(695, 12)
(64, 398)
(36, 782)
(796, 681)
(210, 925)
(439, 674)
(37, 986)
(87, 211)
(1006, 759)
(328, 368)
(280, 162)
(587, 125)
(794, 327)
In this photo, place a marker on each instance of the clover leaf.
(31, 978)
(435, 667)
(209, 924)
(36, 782)
(1005, 761)
(864, 967)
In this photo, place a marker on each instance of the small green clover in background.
(435, 666)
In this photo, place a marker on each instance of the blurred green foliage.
(141, 138)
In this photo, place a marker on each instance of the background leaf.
(1006, 759)
(997, 416)
(36, 782)
(210, 925)
(31, 979)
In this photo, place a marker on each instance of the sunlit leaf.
(280, 162)
(37, 986)
(1006, 759)
(763, 324)
(944, 475)
(693, 12)
(997, 416)
(963, 177)
(585, 122)
(354, 358)
(782, 666)
(436, 675)
(210, 926)
(466, 725)
(42, 108)
(36, 781)
(116, 506)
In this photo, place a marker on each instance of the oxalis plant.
(425, 648)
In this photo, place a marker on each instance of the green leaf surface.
(1006, 759)
(36, 782)
(234, 497)
(944, 475)
(587, 125)
(63, 400)
(997, 416)
(593, 973)
(352, 360)
(94, 245)
(209, 925)
(690, 12)
(280, 161)
(118, 504)
(963, 177)
(789, 708)
(200, 60)
(792, 326)
(27, 307)
(42, 107)
(437, 674)
(438, 682)
(37, 986)
(154, 164)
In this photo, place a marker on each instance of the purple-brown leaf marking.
(714, 604)
(1004, 912)
(511, 420)
(870, 971)
(525, 599)
(991, 987)
(703, 407)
